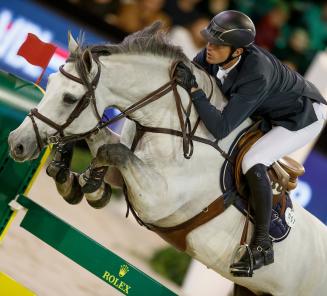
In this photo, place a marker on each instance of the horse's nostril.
(19, 149)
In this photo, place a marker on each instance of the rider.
(257, 85)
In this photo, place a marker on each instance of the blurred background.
(295, 31)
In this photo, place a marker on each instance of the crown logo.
(123, 270)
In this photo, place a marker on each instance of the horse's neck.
(132, 77)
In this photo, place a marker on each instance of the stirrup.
(239, 252)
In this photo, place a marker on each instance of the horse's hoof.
(76, 194)
(104, 200)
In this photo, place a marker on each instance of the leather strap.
(140, 130)
(176, 235)
(246, 226)
(82, 104)
(36, 131)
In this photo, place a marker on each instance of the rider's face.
(217, 53)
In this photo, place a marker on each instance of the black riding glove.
(185, 77)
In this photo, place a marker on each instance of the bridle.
(83, 103)
(186, 132)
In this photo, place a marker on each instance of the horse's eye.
(69, 99)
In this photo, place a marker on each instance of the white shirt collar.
(222, 73)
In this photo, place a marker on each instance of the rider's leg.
(261, 202)
(271, 147)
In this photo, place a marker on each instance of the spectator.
(189, 37)
(255, 8)
(316, 21)
(136, 15)
(216, 6)
(269, 27)
(212, 7)
(103, 8)
(296, 55)
(98, 8)
(182, 12)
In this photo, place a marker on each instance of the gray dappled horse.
(164, 187)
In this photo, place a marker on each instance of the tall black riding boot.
(261, 249)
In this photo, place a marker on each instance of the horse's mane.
(151, 40)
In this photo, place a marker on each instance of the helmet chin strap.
(229, 58)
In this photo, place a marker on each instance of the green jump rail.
(87, 253)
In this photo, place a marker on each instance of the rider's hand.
(185, 77)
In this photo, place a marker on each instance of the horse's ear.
(88, 61)
(72, 44)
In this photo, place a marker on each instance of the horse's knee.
(113, 154)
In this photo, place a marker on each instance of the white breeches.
(280, 141)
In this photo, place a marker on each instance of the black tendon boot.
(92, 178)
(260, 251)
(60, 165)
(59, 169)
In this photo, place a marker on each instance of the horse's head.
(67, 107)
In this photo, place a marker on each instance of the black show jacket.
(260, 87)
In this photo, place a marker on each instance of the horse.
(168, 178)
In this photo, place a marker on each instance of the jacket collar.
(229, 80)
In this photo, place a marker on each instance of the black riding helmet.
(230, 27)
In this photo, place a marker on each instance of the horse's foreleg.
(66, 181)
(146, 187)
(95, 181)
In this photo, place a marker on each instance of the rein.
(186, 132)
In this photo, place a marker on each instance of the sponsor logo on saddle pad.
(116, 281)
(290, 217)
